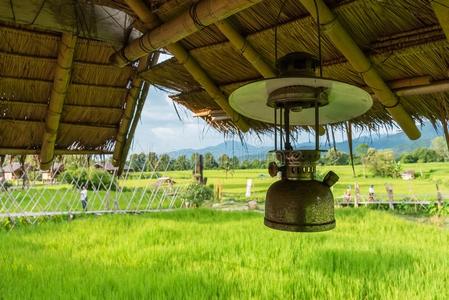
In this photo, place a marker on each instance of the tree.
(235, 163)
(165, 163)
(382, 163)
(137, 162)
(440, 147)
(209, 161)
(182, 163)
(335, 158)
(152, 161)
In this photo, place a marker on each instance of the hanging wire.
(281, 8)
(320, 58)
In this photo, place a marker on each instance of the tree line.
(378, 162)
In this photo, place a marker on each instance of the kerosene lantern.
(298, 201)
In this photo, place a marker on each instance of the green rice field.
(234, 183)
(206, 254)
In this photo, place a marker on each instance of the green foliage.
(198, 193)
(440, 147)
(382, 163)
(421, 155)
(182, 163)
(137, 162)
(5, 185)
(336, 158)
(94, 179)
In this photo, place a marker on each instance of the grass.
(204, 254)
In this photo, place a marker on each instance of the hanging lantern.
(298, 201)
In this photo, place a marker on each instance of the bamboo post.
(357, 194)
(390, 195)
(199, 15)
(441, 9)
(58, 94)
(130, 105)
(191, 65)
(439, 197)
(348, 47)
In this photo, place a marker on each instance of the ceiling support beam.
(20, 151)
(199, 15)
(136, 118)
(130, 105)
(441, 9)
(58, 94)
(246, 49)
(348, 47)
(191, 65)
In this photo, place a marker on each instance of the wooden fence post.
(357, 194)
(389, 190)
(439, 197)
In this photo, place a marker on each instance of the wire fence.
(30, 194)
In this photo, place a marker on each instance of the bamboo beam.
(348, 47)
(433, 88)
(441, 9)
(79, 125)
(246, 49)
(207, 83)
(19, 151)
(199, 15)
(191, 65)
(136, 118)
(131, 100)
(57, 98)
(104, 109)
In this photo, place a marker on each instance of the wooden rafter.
(131, 100)
(200, 14)
(348, 47)
(191, 65)
(58, 94)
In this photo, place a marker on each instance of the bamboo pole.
(136, 118)
(441, 86)
(130, 104)
(19, 151)
(199, 15)
(441, 9)
(191, 65)
(246, 49)
(207, 83)
(58, 94)
(347, 46)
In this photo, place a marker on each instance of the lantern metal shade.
(345, 101)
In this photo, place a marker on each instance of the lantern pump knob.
(330, 179)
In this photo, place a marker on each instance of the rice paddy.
(206, 254)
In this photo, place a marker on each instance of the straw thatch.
(402, 38)
(95, 99)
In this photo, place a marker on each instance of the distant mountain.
(398, 142)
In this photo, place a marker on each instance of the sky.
(160, 130)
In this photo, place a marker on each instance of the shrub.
(5, 185)
(94, 179)
(198, 193)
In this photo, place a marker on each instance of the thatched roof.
(403, 39)
(95, 98)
